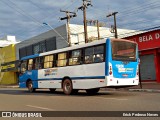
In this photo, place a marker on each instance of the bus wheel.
(52, 89)
(92, 91)
(30, 87)
(67, 86)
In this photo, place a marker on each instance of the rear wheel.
(67, 86)
(30, 87)
(92, 91)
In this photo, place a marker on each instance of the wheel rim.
(30, 86)
(67, 87)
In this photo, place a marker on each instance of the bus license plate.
(125, 75)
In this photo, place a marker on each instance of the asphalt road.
(16, 99)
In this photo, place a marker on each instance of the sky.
(24, 18)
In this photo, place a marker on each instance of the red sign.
(147, 40)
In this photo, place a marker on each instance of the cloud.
(23, 18)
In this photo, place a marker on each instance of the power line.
(24, 13)
(127, 10)
(56, 15)
(153, 5)
(134, 24)
(31, 2)
(142, 30)
(19, 10)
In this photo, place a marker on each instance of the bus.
(91, 66)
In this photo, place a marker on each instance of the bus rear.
(122, 68)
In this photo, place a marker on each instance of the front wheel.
(92, 91)
(30, 87)
(67, 86)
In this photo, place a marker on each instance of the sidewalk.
(9, 86)
(146, 87)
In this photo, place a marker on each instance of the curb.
(7, 86)
(144, 90)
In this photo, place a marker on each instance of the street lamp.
(55, 31)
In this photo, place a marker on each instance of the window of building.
(42, 47)
(36, 48)
(62, 59)
(39, 47)
(48, 61)
(74, 39)
(75, 57)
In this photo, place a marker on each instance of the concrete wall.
(49, 34)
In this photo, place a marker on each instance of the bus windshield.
(122, 50)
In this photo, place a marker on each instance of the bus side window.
(48, 61)
(88, 55)
(41, 63)
(30, 64)
(98, 53)
(62, 59)
(98, 58)
(23, 66)
(75, 57)
(36, 63)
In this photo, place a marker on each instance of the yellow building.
(8, 73)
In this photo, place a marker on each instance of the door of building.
(147, 67)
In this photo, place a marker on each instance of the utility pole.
(95, 22)
(68, 17)
(98, 29)
(115, 25)
(83, 8)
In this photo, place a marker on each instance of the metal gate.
(147, 67)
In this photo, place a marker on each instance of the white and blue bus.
(104, 63)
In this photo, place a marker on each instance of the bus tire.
(52, 89)
(92, 91)
(30, 87)
(67, 86)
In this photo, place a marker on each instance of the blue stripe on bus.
(107, 56)
(76, 78)
(29, 57)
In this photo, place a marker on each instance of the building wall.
(44, 36)
(78, 30)
(149, 45)
(7, 54)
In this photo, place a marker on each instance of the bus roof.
(29, 57)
